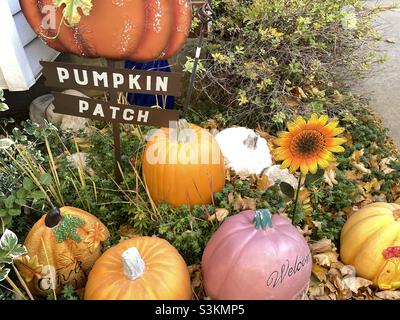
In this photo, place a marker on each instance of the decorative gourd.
(256, 256)
(370, 241)
(183, 165)
(62, 248)
(244, 151)
(140, 30)
(142, 268)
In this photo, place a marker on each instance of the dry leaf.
(220, 215)
(291, 102)
(297, 91)
(361, 167)
(326, 259)
(389, 295)
(321, 246)
(263, 183)
(356, 283)
(319, 272)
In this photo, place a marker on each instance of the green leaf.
(4, 273)
(71, 13)
(21, 202)
(3, 212)
(46, 179)
(14, 212)
(22, 193)
(6, 143)
(9, 202)
(28, 184)
(8, 240)
(38, 195)
(311, 178)
(287, 189)
(9, 243)
(3, 107)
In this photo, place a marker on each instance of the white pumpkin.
(244, 151)
(42, 109)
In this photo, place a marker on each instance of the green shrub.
(268, 59)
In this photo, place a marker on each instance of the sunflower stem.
(297, 197)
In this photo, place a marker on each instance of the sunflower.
(308, 145)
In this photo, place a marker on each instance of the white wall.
(20, 49)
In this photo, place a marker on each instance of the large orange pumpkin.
(139, 30)
(183, 165)
(370, 241)
(143, 268)
(62, 248)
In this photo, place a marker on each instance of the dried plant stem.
(23, 282)
(17, 290)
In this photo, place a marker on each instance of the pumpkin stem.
(183, 134)
(133, 263)
(53, 218)
(262, 218)
(251, 142)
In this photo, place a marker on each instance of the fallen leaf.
(321, 246)
(326, 259)
(319, 272)
(263, 183)
(391, 40)
(356, 283)
(220, 214)
(388, 295)
(297, 91)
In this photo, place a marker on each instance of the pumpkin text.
(287, 270)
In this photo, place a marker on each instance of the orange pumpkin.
(139, 30)
(62, 248)
(143, 268)
(183, 165)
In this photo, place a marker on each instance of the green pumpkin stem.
(182, 134)
(53, 218)
(262, 219)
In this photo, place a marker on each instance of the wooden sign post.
(114, 81)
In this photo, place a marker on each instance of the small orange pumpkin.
(183, 165)
(142, 268)
(62, 248)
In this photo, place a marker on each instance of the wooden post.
(116, 131)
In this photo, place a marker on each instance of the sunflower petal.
(304, 168)
(336, 149)
(323, 163)
(323, 119)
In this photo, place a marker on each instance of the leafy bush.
(266, 60)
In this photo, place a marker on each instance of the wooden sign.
(113, 112)
(112, 80)
(78, 77)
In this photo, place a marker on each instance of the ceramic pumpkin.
(256, 256)
(62, 248)
(183, 165)
(139, 30)
(370, 241)
(244, 151)
(142, 268)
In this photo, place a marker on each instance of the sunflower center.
(308, 143)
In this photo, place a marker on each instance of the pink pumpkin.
(246, 260)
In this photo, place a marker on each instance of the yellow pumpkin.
(370, 241)
(183, 165)
(142, 268)
(62, 248)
